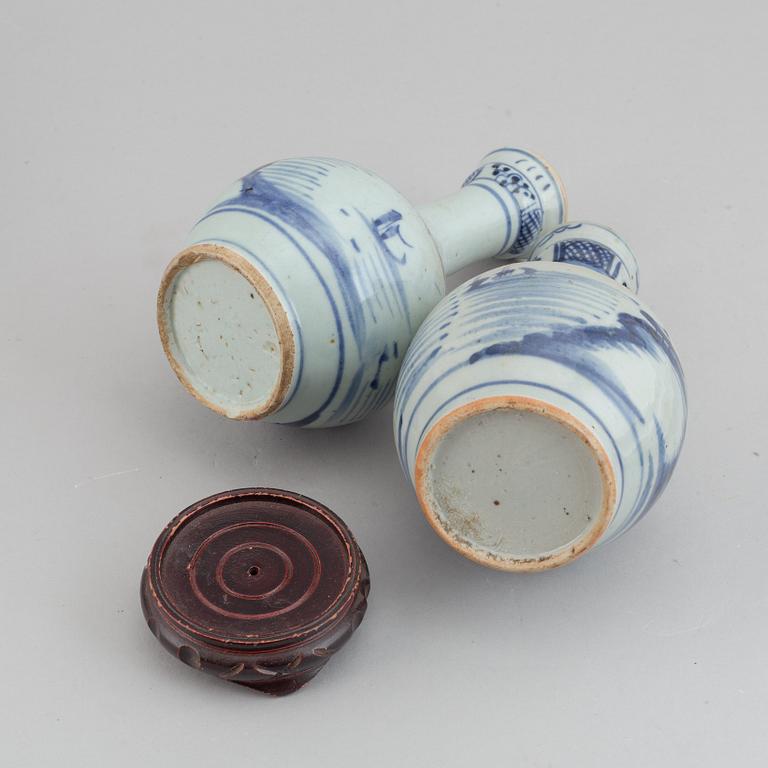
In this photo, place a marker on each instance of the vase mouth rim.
(559, 183)
(449, 518)
(281, 348)
(560, 194)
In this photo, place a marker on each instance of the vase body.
(541, 409)
(300, 290)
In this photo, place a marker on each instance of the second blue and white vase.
(541, 407)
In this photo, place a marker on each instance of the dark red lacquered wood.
(257, 586)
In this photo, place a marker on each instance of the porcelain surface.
(301, 288)
(593, 246)
(558, 341)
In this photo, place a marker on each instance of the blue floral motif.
(520, 197)
(531, 211)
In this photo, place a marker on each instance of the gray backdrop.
(120, 124)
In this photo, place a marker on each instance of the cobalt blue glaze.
(593, 246)
(555, 333)
(304, 283)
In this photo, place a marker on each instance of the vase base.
(225, 332)
(515, 483)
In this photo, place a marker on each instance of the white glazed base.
(515, 484)
(225, 332)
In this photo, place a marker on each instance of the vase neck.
(502, 209)
(593, 247)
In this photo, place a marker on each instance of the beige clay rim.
(558, 557)
(285, 338)
(559, 182)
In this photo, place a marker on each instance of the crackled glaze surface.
(570, 339)
(344, 271)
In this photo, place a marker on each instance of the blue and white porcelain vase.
(301, 288)
(541, 406)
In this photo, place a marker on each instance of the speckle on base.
(497, 511)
